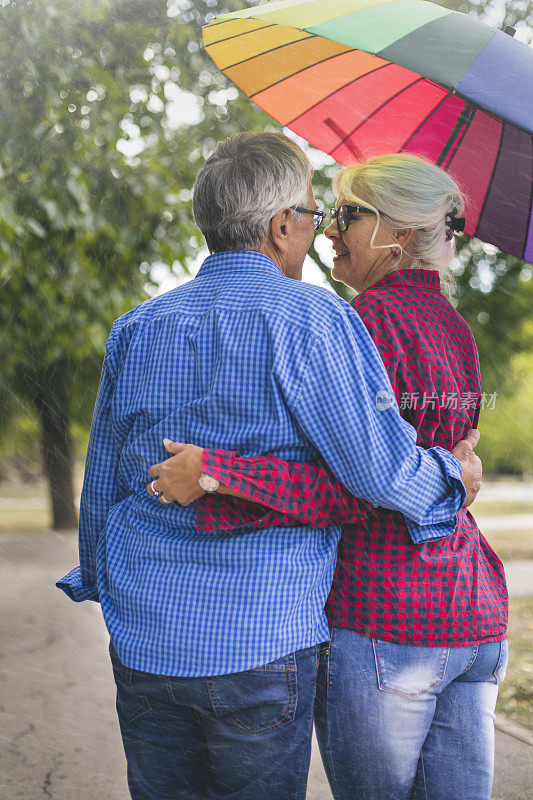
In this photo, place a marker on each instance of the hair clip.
(453, 223)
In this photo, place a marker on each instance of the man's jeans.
(246, 736)
(388, 713)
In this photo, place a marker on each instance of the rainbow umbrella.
(357, 78)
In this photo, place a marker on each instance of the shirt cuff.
(73, 586)
(218, 464)
(420, 534)
(443, 521)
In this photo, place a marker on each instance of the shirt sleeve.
(282, 493)
(99, 493)
(347, 410)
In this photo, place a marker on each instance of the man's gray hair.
(244, 183)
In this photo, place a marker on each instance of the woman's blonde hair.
(410, 192)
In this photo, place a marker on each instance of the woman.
(408, 684)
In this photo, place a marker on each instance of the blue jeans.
(246, 736)
(397, 721)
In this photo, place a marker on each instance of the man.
(214, 637)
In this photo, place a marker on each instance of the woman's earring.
(395, 253)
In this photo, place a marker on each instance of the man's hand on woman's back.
(177, 477)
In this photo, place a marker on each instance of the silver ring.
(164, 499)
(154, 490)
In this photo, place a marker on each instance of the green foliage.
(76, 217)
(506, 431)
(494, 293)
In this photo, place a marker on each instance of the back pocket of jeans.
(407, 670)
(259, 700)
(501, 667)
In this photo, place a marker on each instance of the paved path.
(504, 522)
(502, 490)
(519, 576)
(58, 728)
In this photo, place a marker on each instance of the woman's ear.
(405, 236)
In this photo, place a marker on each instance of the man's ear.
(281, 228)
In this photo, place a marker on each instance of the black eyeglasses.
(343, 215)
(318, 216)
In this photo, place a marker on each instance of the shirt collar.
(238, 260)
(418, 278)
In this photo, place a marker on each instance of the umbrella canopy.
(363, 77)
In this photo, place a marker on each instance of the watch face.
(208, 483)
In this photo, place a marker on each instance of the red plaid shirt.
(448, 592)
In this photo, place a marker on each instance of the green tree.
(76, 217)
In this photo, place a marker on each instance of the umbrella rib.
(215, 24)
(388, 100)
(303, 69)
(327, 96)
(242, 34)
(413, 134)
(263, 53)
(491, 179)
(462, 136)
(528, 225)
(340, 133)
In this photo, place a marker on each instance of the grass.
(515, 699)
(24, 519)
(18, 518)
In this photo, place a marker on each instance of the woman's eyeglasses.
(343, 214)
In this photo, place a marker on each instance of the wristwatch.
(208, 483)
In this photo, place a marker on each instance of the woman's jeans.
(246, 736)
(397, 721)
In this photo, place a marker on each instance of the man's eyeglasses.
(318, 216)
(343, 215)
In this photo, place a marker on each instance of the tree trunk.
(55, 441)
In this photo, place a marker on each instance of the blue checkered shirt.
(240, 358)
